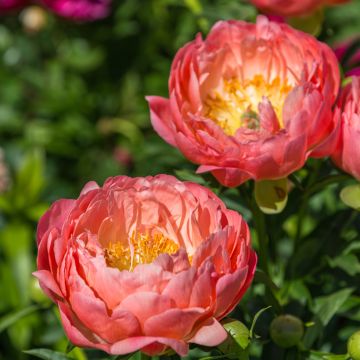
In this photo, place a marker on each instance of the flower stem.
(260, 227)
(258, 218)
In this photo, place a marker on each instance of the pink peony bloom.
(293, 7)
(250, 101)
(347, 153)
(8, 5)
(144, 264)
(80, 10)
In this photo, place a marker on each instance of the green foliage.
(73, 109)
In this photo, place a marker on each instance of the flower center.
(235, 104)
(142, 249)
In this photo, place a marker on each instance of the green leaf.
(29, 180)
(46, 354)
(350, 195)
(16, 240)
(13, 317)
(271, 195)
(311, 24)
(347, 262)
(194, 5)
(238, 331)
(325, 307)
(186, 175)
(318, 355)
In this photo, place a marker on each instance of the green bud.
(36, 292)
(353, 346)
(286, 331)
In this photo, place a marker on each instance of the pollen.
(142, 249)
(234, 104)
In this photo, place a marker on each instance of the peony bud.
(353, 346)
(286, 331)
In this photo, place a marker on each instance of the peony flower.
(293, 7)
(80, 10)
(8, 5)
(252, 101)
(144, 264)
(347, 152)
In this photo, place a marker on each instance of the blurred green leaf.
(325, 307)
(12, 318)
(311, 24)
(46, 354)
(347, 262)
(186, 175)
(318, 355)
(29, 179)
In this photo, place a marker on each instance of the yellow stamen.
(142, 249)
(235, 104)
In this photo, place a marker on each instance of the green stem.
(332, 179)
(260, 227)
(304, 204)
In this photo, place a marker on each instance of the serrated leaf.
(271, 195)
(350, 195)
(47, 354)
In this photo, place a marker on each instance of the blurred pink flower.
(347, 153)
(250, 101)
(77, 10)
(80, 10)
(123, 156)
(8, 5)
(4, 173)
(144, 264)
(351, 65)
(293, 7)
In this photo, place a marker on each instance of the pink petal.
(211, 333)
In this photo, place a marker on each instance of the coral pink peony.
(347, 153)
(144, 263)
(250, 101)
(293, 7)
(80, 10)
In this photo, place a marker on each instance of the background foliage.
(72, 109)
